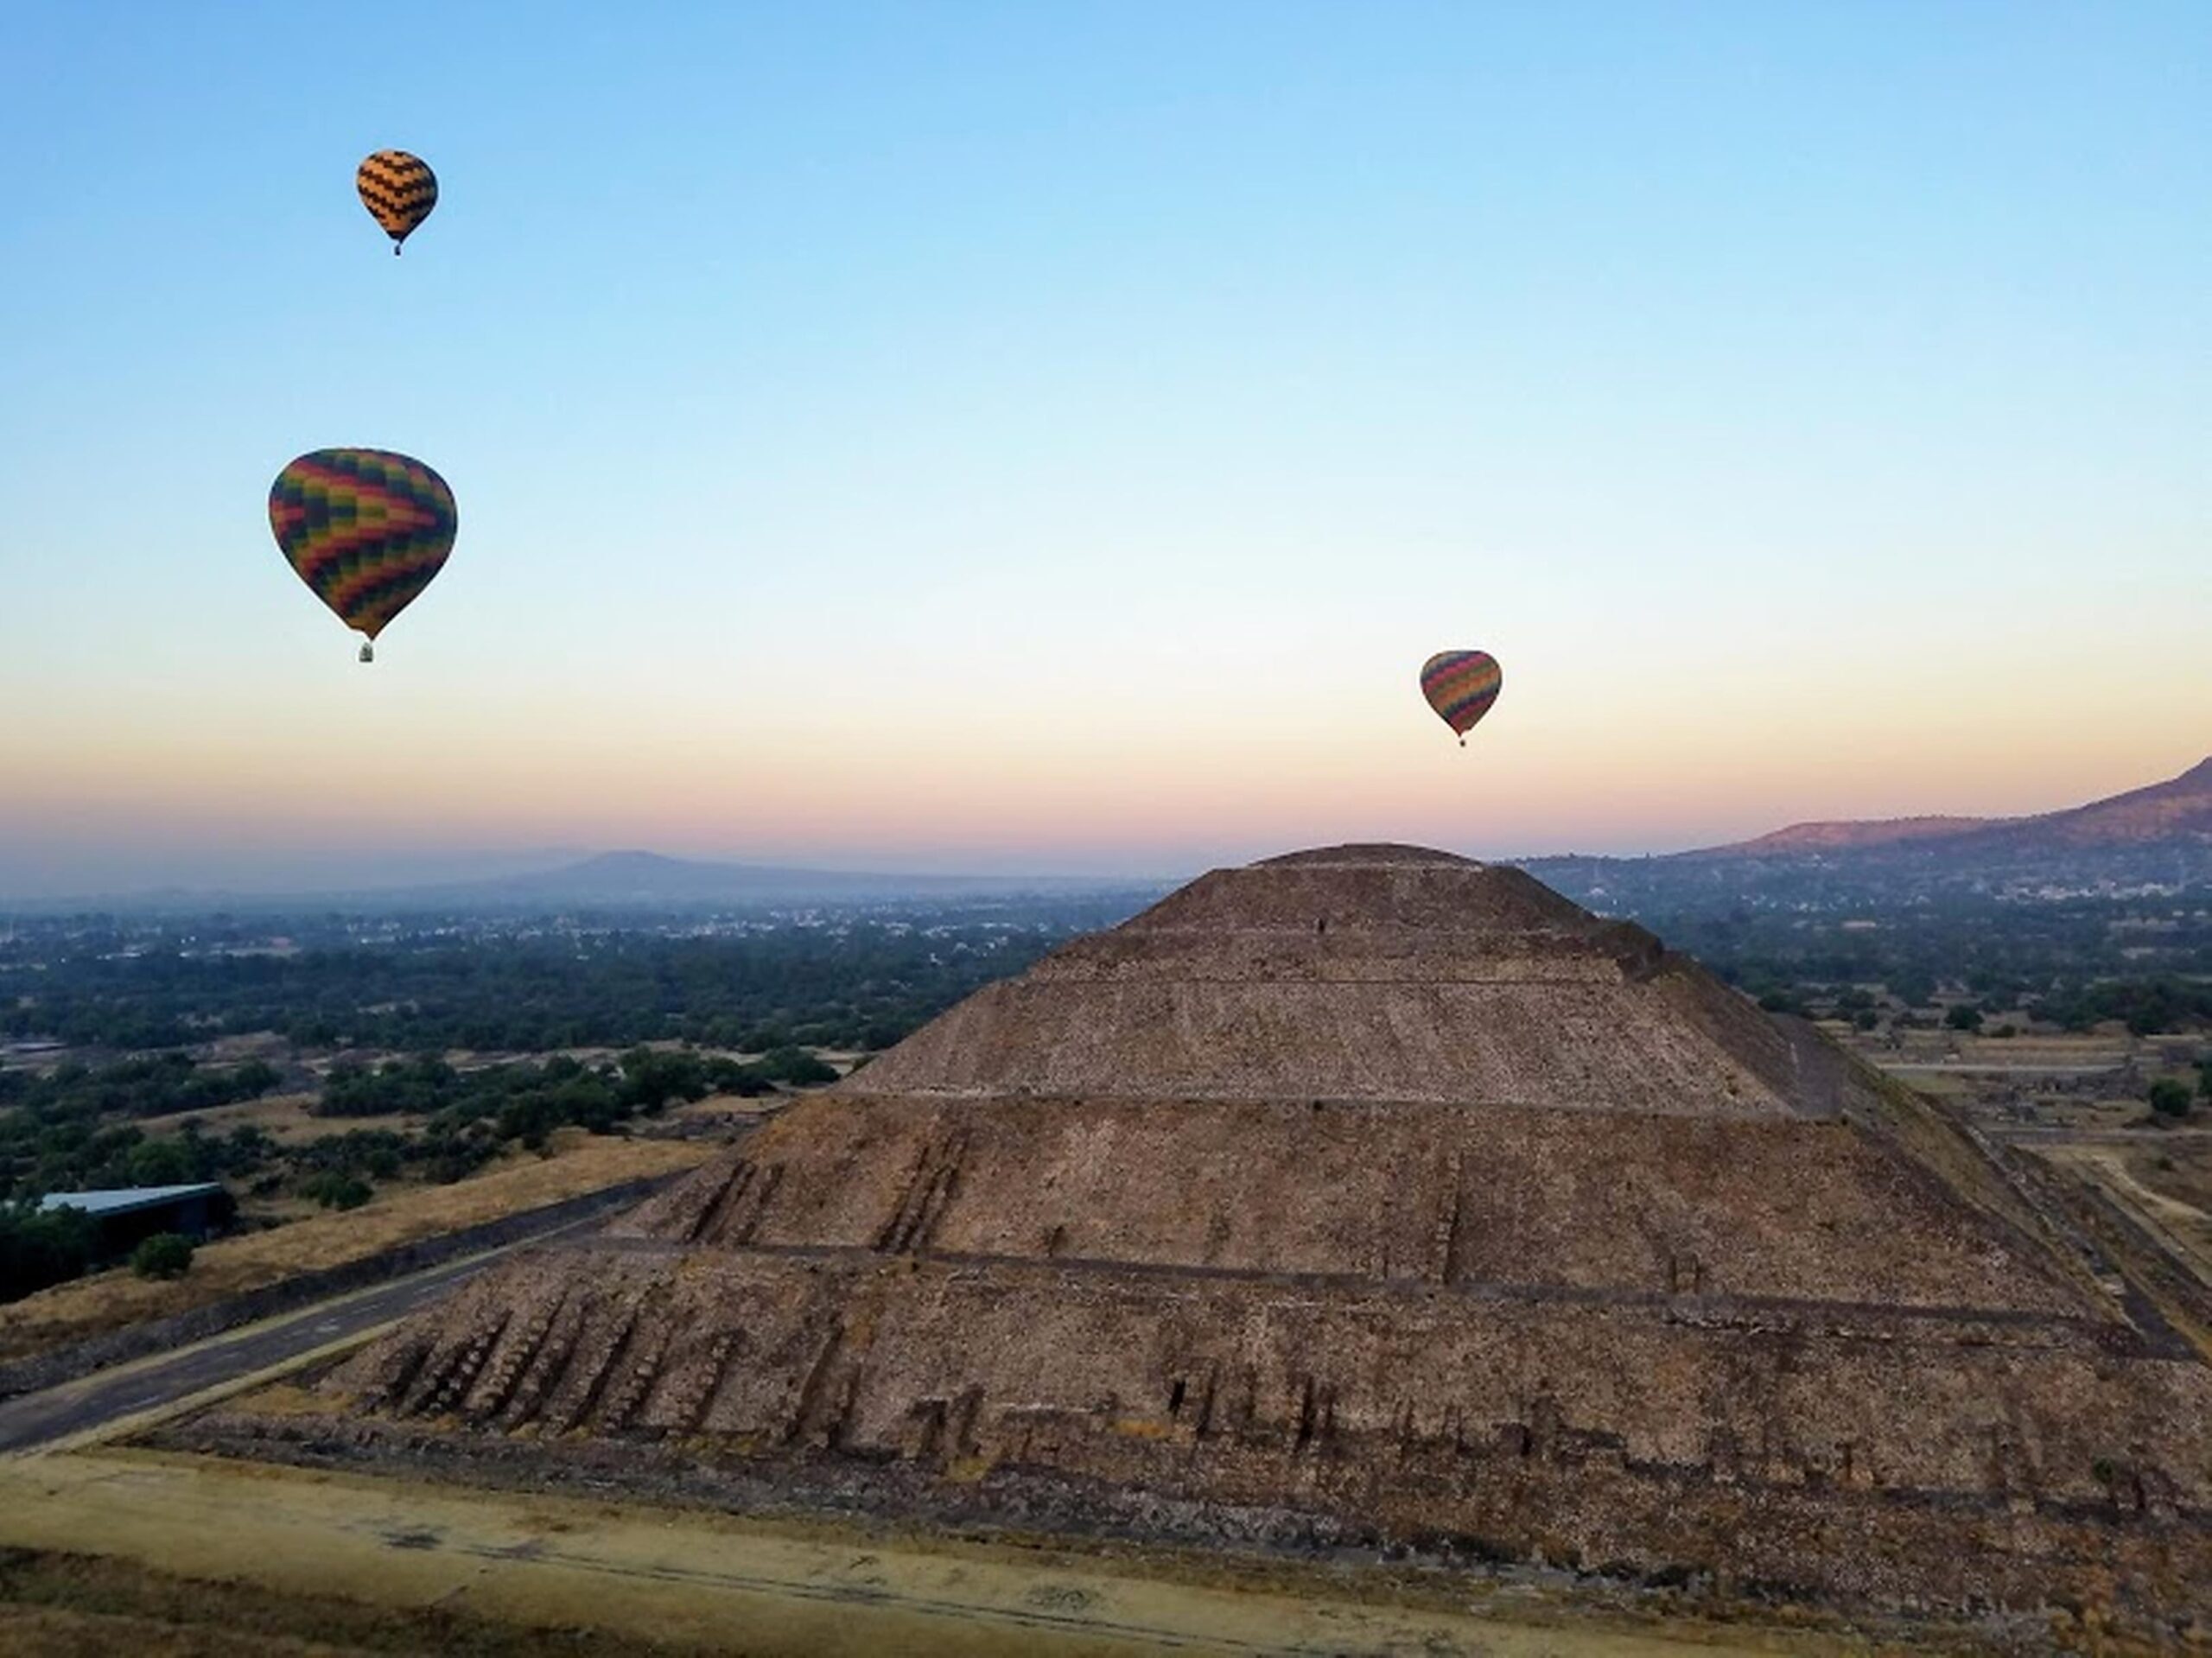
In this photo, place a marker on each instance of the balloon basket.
(368, 652)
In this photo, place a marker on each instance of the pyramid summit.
(1367, 1194)
(1369, 973)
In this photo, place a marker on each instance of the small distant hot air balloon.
(367, 529)
(398, 190)
(1461, 685)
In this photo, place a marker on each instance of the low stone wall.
(158, 1335)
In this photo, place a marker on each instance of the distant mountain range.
(611, 881)
(2160, 835)
(2179, 809)
(628, 878)
(2154, 839)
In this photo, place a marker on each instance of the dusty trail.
(2183, 1227)
(726, 1583)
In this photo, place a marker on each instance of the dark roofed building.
(126, 1215)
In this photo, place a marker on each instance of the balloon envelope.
(367, 529)
(1461, 685)
(398, 190)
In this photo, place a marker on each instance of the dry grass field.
(289, 1119)
(352, 1563)
(284, 1118)
(82, 1606)
(2165, 1184)
(2179, 1167)
(89, 1307)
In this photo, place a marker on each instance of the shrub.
(166, 1255)
(796, 1066)
(1913, 989)
(1965, 1016)
(42, 1247)
(159, 1163)
(727, 1077)
(2170, 1098)
(650, 1080)
(335, 1189)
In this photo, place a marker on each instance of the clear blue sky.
(1053, 435)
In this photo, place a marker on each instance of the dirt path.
(729, 1584)
(2183, 1227)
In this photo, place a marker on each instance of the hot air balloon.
(1461, 685)
(366, 528)
(398, 190)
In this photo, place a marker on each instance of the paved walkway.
(75, 1408)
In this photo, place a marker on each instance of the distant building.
(127, 1214)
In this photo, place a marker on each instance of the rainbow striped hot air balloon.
(1461, 685)
(367, 529)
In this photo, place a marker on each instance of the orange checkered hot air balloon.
(366, 528)
(398, 190)
(1461, 685)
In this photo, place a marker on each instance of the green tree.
(796, 1066)
(1964, 1016)
(159, 1163)
(2170, 1098)
(166, 1255)
(1913, 988)
(42, 1247)
(651, 1079)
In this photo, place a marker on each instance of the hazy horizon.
(276, 870)
(1051, 438)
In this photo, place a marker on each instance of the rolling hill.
(2157, 839)
(2178, 808)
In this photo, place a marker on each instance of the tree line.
(2072, 963)
(860, 986)
(73, 1130)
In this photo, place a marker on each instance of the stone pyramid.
(1372, 1194)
